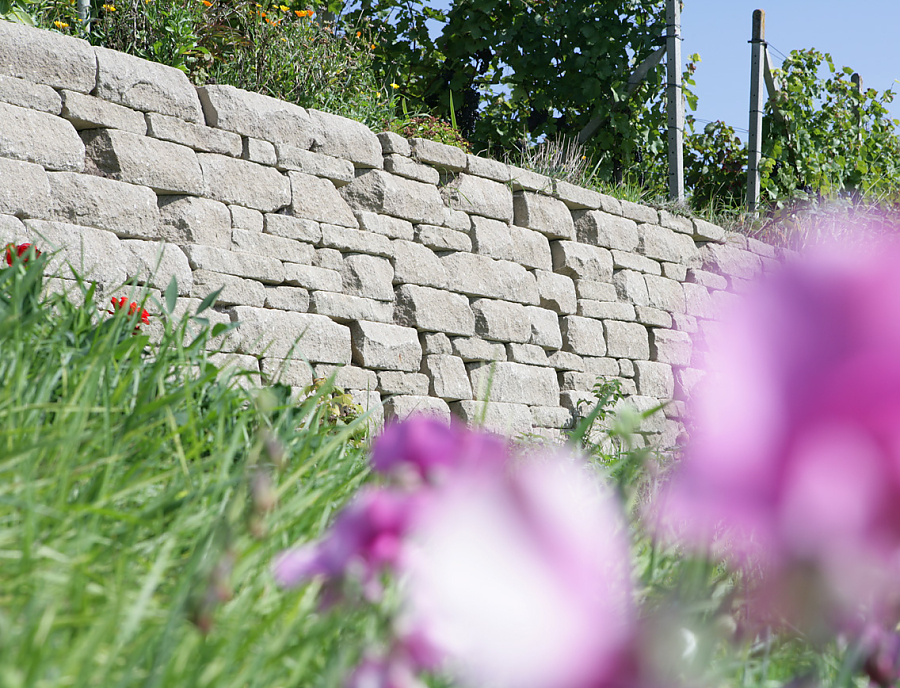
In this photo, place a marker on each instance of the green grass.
(133, 549)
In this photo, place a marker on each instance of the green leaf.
(209, 300)
(171, 295)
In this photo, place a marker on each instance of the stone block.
(664, 244)
(557, 292)
(156, 263)
(565, 360)
(507, 242)
(259, 151)
(697, 301)
(93, 254)
(434, 310)
(368, 276)
(247, 219)
(677, 223)
(442, 238)
(340, 172)
(262, 244)
(295, 228)
(287, 298)
(545, 330)
(401, 407)
(631, 287)
(245, 183)
(580, 261)
(262, 268)
(196, 136)
(675, 271)
(396, 382)
(501, 320)
(514, 383)
(344, 138)
(654, 379)
(348, 376)
(438, 154)
(601, 367)
(639, 213)
(687, 380)
(345, 239)
(546, 215)
(25, 190)
(552, 417)
(571, 380)
(370, 403)
(603, 229)
(728, 260)
(760, 248)
(35, 136)
(526, 180)
(46, 57)
(633, 261)
(146, 86)
(707, 231)
(286, 371)
(391, 227)
(576, 197)
(256, 115)
(670, 346)
(165, 167)
(393, 143)
(665, 294)
(89, 201)
(476, 275)
(345, 308)
(487, 168)
(627, 340)
(479, 196)
(12, 231)
(505, 419)
(330, 259)
(379, 192)
(684, 323)
(600, 310)
(447, 377)
(386, 347)
(417, 264)
(626, 367)
(435, 343)
(477, 349)
(283, 334)
(457, 219)
(404, 167)
(192, 220)
(583, 336)
(529, 354)
(652, 316)
(235, 291)
(597, 291)
(88, 112)
(29, 95)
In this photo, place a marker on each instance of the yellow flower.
(207, 3)
(284, 8)
(393, 85)
(373, 46)
(60, 25)
(109, 8)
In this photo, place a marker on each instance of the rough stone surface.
(583, 336)
(529, 354)
(661, 243)
(88, 112)
(400, 407)
(598, 291)
(256, 115)
(654, 379)
(262, 268)
(627, 340)
(506, 419)
(481, 276)
(292, 228)
(438, 154)
(603, 229)
(501, 320)
(442, 238)
(731, 261)
(396, 382)
(312, 277)
(28, 95)
(674, 271)
(379, 192)
(557, 292)
(283, 334)
(631, 287)
(581, 261)
(477, 349)
(93, 254)
(697, 301)
(576, 197)
(235, 291)
(368, 276)
(526, 180)
(508, 242)
(391, 227)
(344, 138)
(25, 190)
(403, 166)
(345, 239)
(436, 343)
(394, 143)
(489, 169)
(434, 310)
(653, 316)
(514, 383)
(191, 220)
(417, 264)
(605, 311)
(244, 183)
(165, 167)
(247, 218)
(339, 171)
(478, 196)
(197, 136)
(81, 199)
(545, 331)
(386, 347)
(44, 57)
(256, 150)
(623, 260)
(665, 294)
(447, 377)
(286, 371)
(261, 244)
(156, 263)
(348, 376)
(34, 136)
(287, 298)
(707, 231)
(346, 308)
(670, 346)
(546, 215)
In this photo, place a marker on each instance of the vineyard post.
(674, 100)
(757, 66)
(858, 83)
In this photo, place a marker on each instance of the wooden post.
(674, 100)
(757, 66)
(84, 15)
(858, 82)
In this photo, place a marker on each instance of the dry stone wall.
(427, 277)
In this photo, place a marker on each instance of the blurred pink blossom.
(795, 462)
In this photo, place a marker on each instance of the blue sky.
(862, 34)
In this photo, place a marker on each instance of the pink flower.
(796, 459)
(521, 578)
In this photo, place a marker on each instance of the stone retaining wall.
(428, 274)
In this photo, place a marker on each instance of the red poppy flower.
(121, 303)
(18, 250)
